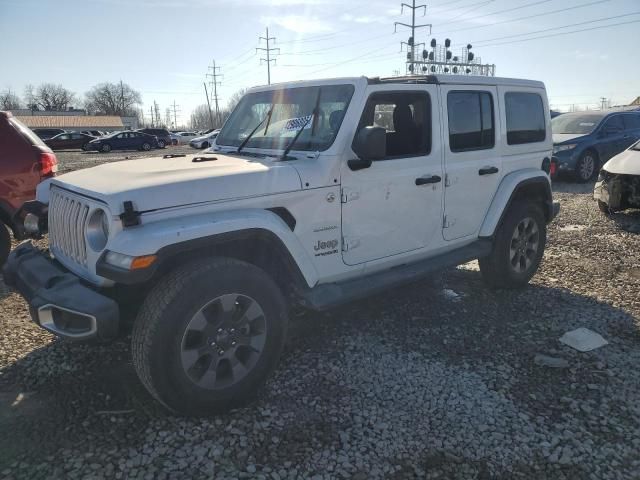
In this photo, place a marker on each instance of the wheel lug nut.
(213, 344)
(219, 330)
(233, 343)
(233, 330)
(220, 352)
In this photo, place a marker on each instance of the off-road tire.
(5, 243)
(496, 269)
(163, 319)
(587, 156)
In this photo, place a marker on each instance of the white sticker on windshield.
(586, 124)
(295, 124)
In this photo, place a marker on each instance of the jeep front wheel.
(208, 335)
(517, 249)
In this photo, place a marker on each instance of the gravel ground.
(417, 383)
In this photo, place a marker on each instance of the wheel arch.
(526, 184)
(263, 238)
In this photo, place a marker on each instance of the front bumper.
(566, 160)
(58, 300)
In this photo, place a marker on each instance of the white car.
(618, 185)
(183, 138)
(370, 184)
(204, 141)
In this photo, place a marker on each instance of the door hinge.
(349, 195)
(446, 223)
(349, 243)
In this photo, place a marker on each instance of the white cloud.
(298, 23)
(365, 19)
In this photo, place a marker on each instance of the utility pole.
(268, 60)
(603, 103)
(411, 44)
(206, 94)
(121, 98)
(175, 113)
(214, 86)
(155, 107)
(151, 114)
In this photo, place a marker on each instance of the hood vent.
(204, 159)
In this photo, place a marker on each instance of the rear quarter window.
(25, 132)
(525, 118)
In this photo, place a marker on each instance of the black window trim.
(544, 139)
(629, 115)
(493, 120)
(430, 112)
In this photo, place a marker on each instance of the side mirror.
(370, 145)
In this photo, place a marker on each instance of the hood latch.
(130, 217)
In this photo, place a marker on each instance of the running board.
(329, 295)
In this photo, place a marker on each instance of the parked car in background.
(584, 141)
(24, 162)
(67, 141)
(185, 137)
(124, 141)
(618, 185)
(94, 133)
(162, 134)
(204, 141)
(45, 133)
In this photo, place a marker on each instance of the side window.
(614, 123)
(471, 123)
(76, 136)
(64, 137)
(525, 118)
(406, 117)
(122, 135)
(631, 121)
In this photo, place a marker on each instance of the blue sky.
(163, 47)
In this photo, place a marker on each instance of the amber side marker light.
(143, 262)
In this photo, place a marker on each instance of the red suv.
(24, 162)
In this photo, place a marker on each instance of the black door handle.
(488, 171)
(427, 180)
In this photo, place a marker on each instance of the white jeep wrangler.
(315, 193)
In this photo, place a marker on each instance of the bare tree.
(200, 118)
(52, 97)
(9, 100)
(235, 99)
(113, 99)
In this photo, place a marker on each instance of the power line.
(562, 33)
(527, 5)
(474, 7)
(526, 17)
(559, 27)
(268, 51)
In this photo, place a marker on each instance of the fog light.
(32, 224)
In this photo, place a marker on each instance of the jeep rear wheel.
(208, 335)
(517, 249)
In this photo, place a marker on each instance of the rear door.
(473, 165)
(631, 128)
(395, 205)
(612, 137)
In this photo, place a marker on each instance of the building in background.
(77, 123)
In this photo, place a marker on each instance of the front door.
(472, 160)
(395, 205)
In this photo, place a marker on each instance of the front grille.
(67, 219)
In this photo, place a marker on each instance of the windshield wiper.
(246, 140)
(304, 125)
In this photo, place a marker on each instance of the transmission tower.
(411, 43)
(268, 50)
(213, 83)
(175, 110)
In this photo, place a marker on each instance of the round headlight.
(98, 230)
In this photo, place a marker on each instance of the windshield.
(291, 110)
(580, 124)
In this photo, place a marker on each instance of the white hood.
(565, 137)
(155, 183)
(625, 163)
